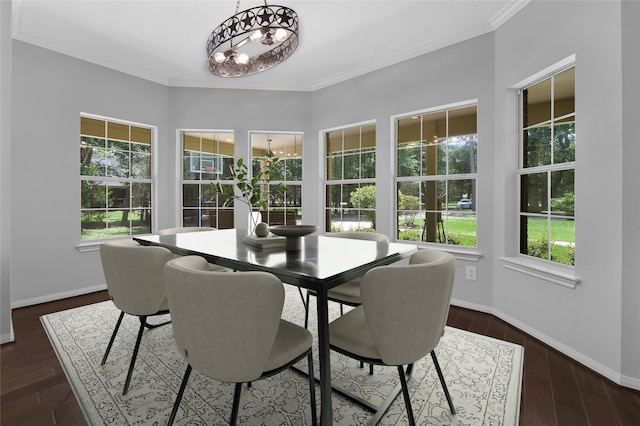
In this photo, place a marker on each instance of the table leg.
(326, 411)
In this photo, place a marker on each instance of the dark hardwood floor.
(555, 389)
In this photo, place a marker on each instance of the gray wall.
(631, 190)
(596, 323)
(584, 322)
(49, 93)
(6, 326)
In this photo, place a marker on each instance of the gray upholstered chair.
(135, 281)
(349, 292)
(402, 317)
(228, 326)
(183, 229)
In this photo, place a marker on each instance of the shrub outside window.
(436, 175)
(547, 165)
(350, 158)
(115, 178)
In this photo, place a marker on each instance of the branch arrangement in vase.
(249, 186)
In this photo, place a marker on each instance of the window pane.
(537, 104)
(294, 196)
(294, 168)
(118, 131)
(435, 159)
(563, 241)
(334, 143)
(409, 131)
(368, 163)
(461, 194)
(93, 195)
(348, 194)
(92, 157)
(93, 224)
(533, 189)
(118, 196)
(334, 168)
(537, 146)
(564, 93)
(409, 161)
(352, 166)
(535, 234)
(118, 164)
(562, 192)
(333, 196)
(92, 127)
(461, 228)
(190, 195)
(462, 154)
(141, 166)
(140, 195)
(564, 143)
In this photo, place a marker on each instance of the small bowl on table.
(293, 234)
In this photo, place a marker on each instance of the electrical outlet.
(471, 273)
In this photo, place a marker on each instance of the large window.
(115, 178)
(350, 178)
(284, 195)
(436, 175)
(206, 158)
(547, 163)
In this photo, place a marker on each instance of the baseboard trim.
(57, 296)
(614, 376)
(7, 338)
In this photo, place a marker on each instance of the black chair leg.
(405, 393)
(113, 337)
(176, 404)
(312, 390)
(371, 369)
(442, 382)
(135, 355)
(236, 404)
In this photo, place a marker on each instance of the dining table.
(319, 263)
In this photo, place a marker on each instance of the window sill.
(94, 245)
(556, 274)
(470, 254)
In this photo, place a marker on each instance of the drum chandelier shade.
(252, 41)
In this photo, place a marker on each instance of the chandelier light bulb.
(256, 35)
(281, 34)
(242, 58)
(219, 57)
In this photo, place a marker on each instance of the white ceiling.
(164, 41)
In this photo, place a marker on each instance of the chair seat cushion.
(348, 293)
(291, 342)
(350, 333)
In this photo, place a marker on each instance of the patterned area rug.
(483, 376)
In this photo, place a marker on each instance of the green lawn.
(94, 226)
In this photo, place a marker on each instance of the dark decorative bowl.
(292, 233)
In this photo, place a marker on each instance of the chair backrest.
(406, 306)
(135, 275)
(224, 323)
(183, 229)
(370, 236)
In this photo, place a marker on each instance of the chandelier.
(252, 41)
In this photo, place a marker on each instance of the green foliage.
(365, 198)
(249, 186)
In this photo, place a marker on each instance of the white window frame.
(94, 244)
(553, 272)
(360, 181)
(463, 252)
